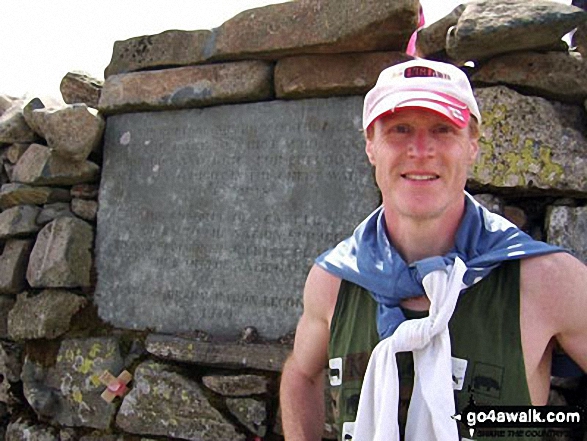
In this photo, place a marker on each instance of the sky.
(43, 40)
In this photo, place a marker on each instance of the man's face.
(421, 161)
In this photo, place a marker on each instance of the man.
(415, 254)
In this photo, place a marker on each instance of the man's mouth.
(420, 177)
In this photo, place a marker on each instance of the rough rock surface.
(567, 227)
(183, 87)
(84, 191)
(432, 39)
(10, 368)
(530, 142)
(13, 127)
(236, 385)
(20, 194)
(50, 212)
(6, 103)
(69, 392)
(41, 166)
(269, 357)
(290, 28)
(22, 430)
(6, 305)
(491, 202)
(61, 256)
(348, 74)
(250, 412)
(487, 27)
(556, 75)
(15, 151)
(72, 131)
(181, 408)
(44, 315)
(85, 209)
(80, 87)
(19, 221)
(13, 265)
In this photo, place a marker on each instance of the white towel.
(432, 403)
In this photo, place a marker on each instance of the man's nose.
(421, 145)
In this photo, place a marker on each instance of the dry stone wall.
(57, 335)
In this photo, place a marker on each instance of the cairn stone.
(516, 216)
(250, 412)
(45, 315)
(556, 75)
(34, 120)
(491, 202)
(13, 127)
(13, 265)
(80, 87)
(85, 209)
(19, 221)
(275, 31)
(432, 39)
(50, 212)
(567, 227)
(236, 385)
(521, 146)
(490, 27)
(19, 194)
(72, 131)
(85, 191)
(6, 103)
(15, 151)
(183, 87)
(61, 256)
(10, 369)
(348, 74)
(68, 393)
(182, 409)
(22, 430)
(6, 304)
(41, 166)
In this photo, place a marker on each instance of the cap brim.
(458, 116)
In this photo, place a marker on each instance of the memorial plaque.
(210, 218)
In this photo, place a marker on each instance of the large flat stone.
(44, 315)
(347, 74)
(529, 143)
(61, 257)
(19, 221)
(267, 357)
(68, 393)
(41, 166)
(301, 27)
(555, 75)
(490, 27)
(185, 87)
(567, 227)
(163, 402)
(432, 39)
(210, 219)
(20, 194)
(81, 87)
(236, 385)
(13, 265)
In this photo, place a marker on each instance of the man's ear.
(370, 150)
(473, 150)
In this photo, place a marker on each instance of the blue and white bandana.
(483, 241)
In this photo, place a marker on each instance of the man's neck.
(416, 239)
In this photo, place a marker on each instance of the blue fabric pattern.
(368, 259)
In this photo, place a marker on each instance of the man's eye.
(443, 129)
(401, 128)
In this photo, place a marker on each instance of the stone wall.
(56, 334)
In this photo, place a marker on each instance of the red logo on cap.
(421, 71)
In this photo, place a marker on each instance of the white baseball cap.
(440, 87)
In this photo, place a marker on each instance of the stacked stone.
(531, 169)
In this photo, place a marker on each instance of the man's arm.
(302, 380)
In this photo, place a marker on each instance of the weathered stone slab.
(13, 265)
(329, 75)
(250, 412)
(50, 212)
(567, 227)
(233, 194)
(180, 407)
(72, 131)
(236, 385)
(275, 31)
(531, 143)
(85, 209)
(556, 75)
(490, 27)
(432, 39)
(19, 221)
(19, 194)
(69, 392)
(61, 257)
(80, 87)
(10, 369)
(44, 315)
(6, 304)
(185, 87)
(22, 430)
(41, 166)
(13, 127)
(85, 191)
(267, 357)
(15, 151)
